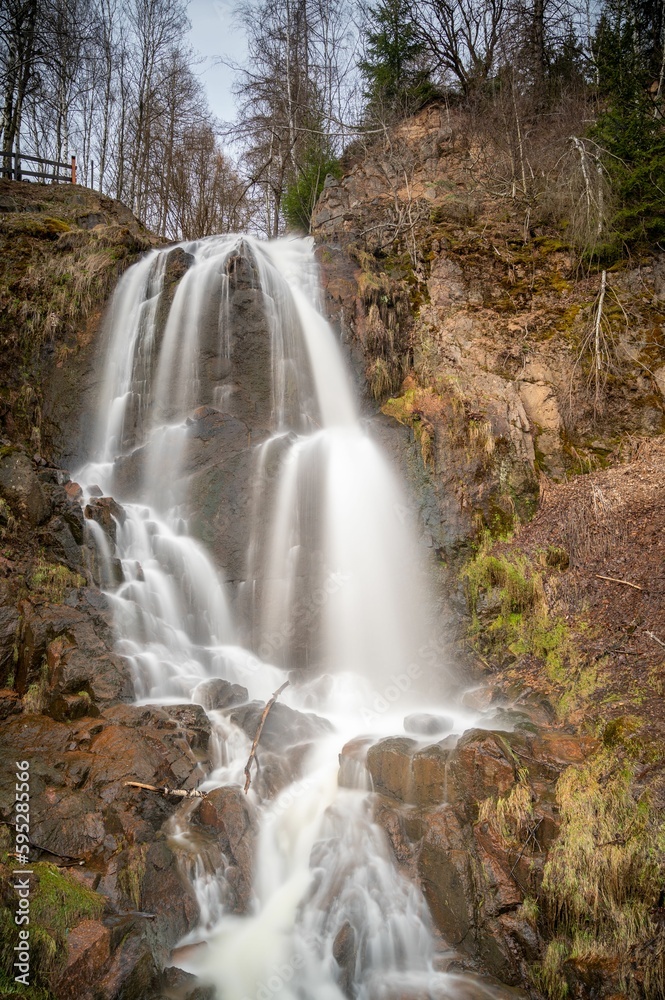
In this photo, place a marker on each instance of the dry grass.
(604, 875)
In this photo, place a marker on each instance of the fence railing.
(17, 172)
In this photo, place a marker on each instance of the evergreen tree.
(631, 128)
(396, 78)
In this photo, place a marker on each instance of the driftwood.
(257, 735)
(181, 793)
(613, 579)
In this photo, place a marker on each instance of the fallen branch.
(257, 735)
(181, 793)
(656, 639)
(613, 579)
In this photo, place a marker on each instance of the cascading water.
(238, 366)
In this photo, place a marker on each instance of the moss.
(52, 580)
(58, 902)
(604, 874)
(548, 975)
(518, 589)
(7, 519)
(556, 557)
(406, 410)
(132, 873)
(550, 244)
(508, 815)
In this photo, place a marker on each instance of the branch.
(613, 579)
(257, 736)
(181, 793)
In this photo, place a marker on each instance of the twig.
(257, 736)
(532, 831)
(613, 579)
(656, 639)
(181, 793)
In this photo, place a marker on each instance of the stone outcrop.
(490, 322)
(474, 873)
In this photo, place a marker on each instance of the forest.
(571, 91)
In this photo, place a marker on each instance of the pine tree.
(397, 79)
(631, 127)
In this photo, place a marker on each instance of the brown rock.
(88, 953)
(21, 489)
(107, 513)
(389, 764)
(228, 813)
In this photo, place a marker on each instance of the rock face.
(474, 872)
(490, 323)
(83, 811)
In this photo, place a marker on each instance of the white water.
(332, 584)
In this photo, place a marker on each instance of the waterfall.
(263, 537)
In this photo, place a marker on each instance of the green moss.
(58, 902)
(508, 815)
(604, 874)
(132, 873)
(404, 409)
(52, 580)
(548, 975)
(518, 589)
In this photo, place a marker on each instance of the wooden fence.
(17, 173)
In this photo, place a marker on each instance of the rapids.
(333, 585)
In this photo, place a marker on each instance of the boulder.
(21, 489)
(423, 724)
(217, 694)
(107, 513)
(76, 642)
(283, 727)
(229, 814)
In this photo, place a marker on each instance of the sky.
(213, 36)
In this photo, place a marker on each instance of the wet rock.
(423, 724)
(445, 873)
(175, 984)
(459, 860)
(166, 893)
(389, 764)
(284, 726)
(21, 489)
(228, 812)
(9, 623)
(218, 694)
(132, 972)
(83, 658)
(61, 545)
(353, 771)
(107, 513)
(481, 767)
(88, 954)
(344, 952)
(81, 803)
(192, 721)
(10, 703)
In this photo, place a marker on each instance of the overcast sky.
(213, 36)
